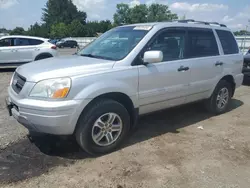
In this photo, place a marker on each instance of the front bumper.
(51, 117)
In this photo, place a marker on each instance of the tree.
(76, 29)
(62, 11)
(18, 31)
(59, 30)
(38, 30)
(142, 13)
(139, 14)
(122, 14)
(4, 30)
(242, 32)
(159, 12)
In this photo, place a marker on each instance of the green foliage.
(122, 14)
(76, 29)
(62, 11)
(18, 31)
(142, 13)
(38, 30)
(241, 32)
(61, 18)
(59, 30)
(139, 14)
(159, 12)
(4, 30)
(92, 28)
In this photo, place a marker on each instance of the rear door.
(232, 58)
(24, 50)
(203, 53)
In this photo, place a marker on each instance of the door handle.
(13, 50)
(219, 63)
(182, 68)
(37, 49)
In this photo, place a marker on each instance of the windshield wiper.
(88, 55)
(96, 56)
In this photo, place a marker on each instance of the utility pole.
(244, 47)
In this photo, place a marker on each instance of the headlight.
(52, 88)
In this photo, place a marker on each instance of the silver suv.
(98, 94)
(16, 50)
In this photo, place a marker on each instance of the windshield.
(115, 44)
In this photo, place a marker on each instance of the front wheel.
(103, 127)
(220, 100)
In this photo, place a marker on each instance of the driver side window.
(171, 43)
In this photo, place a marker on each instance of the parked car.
(16, 50)
(98, 94)
(67, 44)
(246, 66)
(54, 41)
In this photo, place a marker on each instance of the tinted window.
(35, 42)
(6, 42)
(202, 43)
(21, 42)
(228, 42)
(171, 43)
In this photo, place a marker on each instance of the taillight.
(53, 47)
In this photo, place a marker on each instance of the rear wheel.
(103, 127)
(220, 100)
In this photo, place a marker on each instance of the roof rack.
(200, 22)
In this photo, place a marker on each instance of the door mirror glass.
(153, 57)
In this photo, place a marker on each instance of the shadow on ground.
(28, 159)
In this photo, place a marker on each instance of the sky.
(234, 13)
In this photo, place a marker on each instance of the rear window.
(228, 42)
(202, 43)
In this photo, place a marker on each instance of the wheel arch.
(230, 79)
(46, 54)
(120, 97)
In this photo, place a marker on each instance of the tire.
(43, 57)
(86, 127)
(213, 103)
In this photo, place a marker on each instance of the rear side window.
(228, 42)
(202, 43)
(35, 42)
(27, 42)
(21, 42)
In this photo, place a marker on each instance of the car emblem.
(14, 82)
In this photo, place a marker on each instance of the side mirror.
(153, 57)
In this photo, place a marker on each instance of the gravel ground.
(179, 147)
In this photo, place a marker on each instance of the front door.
(6, 49)
(165, 84)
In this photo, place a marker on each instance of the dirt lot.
(167, 150)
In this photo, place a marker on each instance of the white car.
(16, 50)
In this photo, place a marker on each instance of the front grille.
(18, 82)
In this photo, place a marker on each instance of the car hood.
(62, 66)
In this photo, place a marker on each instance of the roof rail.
(200, 22)
(216, 23)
